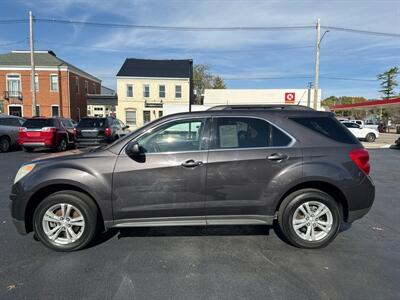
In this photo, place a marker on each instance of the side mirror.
(125, 127)
(133, 149)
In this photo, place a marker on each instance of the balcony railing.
(12, 95)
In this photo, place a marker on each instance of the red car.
(54, 133)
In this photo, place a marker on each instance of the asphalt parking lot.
(228, 262)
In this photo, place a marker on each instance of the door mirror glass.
(133, 149)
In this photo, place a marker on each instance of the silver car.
(9, 126)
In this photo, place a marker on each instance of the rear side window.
(38, 123)
(92, 122)
(329, 127)
(247, 133)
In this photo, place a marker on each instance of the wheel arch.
(45, 191)
(324, 186)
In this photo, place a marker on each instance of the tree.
(333, 100)
(204, 79)
(388, 82)
(218, 83)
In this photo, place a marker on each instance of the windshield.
(38, 123)
(92, 122)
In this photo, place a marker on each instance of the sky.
(246, 59)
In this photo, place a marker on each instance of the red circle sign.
(290, 97)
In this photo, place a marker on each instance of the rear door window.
(328, 127)
(67, 123)
(38, 123)
(242, 132)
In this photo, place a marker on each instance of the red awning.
(368, 104)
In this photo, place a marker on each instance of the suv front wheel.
(64, 221)
(309, 218)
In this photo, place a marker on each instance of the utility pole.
(33, 81)
(317, 64)
(309, 94)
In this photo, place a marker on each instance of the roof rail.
(260, 107)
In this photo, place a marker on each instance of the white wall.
(170, 109)
(257, 96)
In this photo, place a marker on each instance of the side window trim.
(213, 137)
(206, 131)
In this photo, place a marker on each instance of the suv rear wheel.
(370, 137)
(62, 145)
(5, 144)
(64, 221)
(309, 218)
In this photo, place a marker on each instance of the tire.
(27, 149)
(289, 212)
(5, 144)
(62, 145)
(81, 208)
(370, 137)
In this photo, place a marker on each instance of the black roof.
(172, 68)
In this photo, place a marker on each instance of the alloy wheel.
(63, 223)
(312, 221)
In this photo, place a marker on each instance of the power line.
(349, 79)
(361, 31)
(13, 21)
(175, 28)
(196, 28)
(174, 49)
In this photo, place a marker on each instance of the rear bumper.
(37, 144)
(360, 199)
(357, 214)
(93, 142)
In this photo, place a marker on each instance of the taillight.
(22, 129)
(49, 129)
(360, 157)
(107, 131)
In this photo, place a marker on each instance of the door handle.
(191, 163)
(277, 157)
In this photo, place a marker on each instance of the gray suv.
(9, 127)
(289, 165)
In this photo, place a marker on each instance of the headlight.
(23, 171)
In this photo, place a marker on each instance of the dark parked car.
(294, 166)
(53, 133)
(97, 131)
(9, 126)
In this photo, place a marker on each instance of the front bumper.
(17, 205)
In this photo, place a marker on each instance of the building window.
(129, 90)
(130, 117)
(146, 116)
(77, 85)
(14, 85)
(146, 91)
(94, 88)
(37, 110)
(36, 82)
(86, 87)
(55, 111)
(54, 83)
(161, 91)
(160, 113)
(1, 106)
(178, 91)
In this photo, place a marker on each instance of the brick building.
(61, 88)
